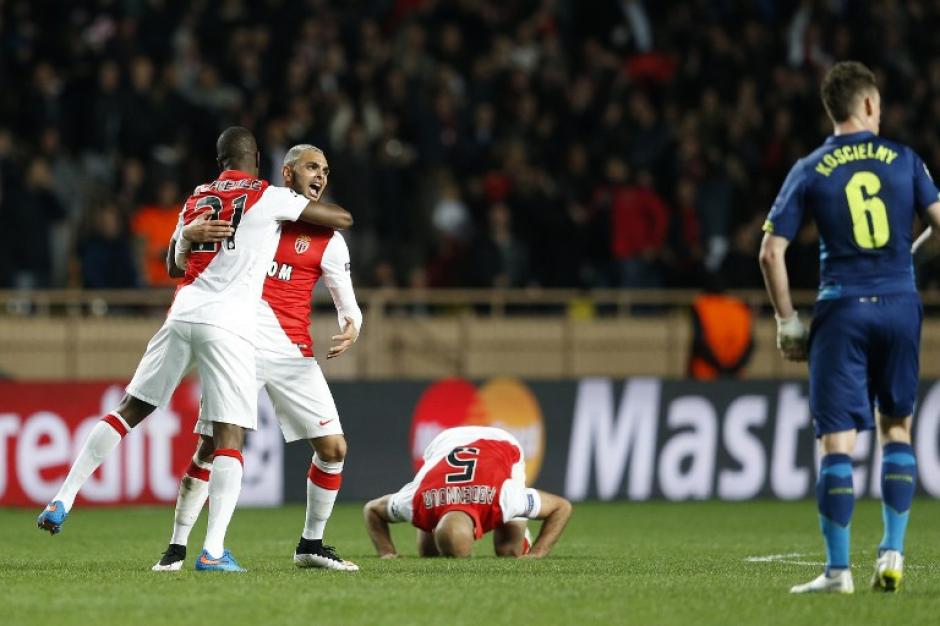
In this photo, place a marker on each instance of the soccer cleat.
(225, 563)
(172, 559)
(52, 517)
(526, 542)
(889, 569)
(312, 553)
(838, 581)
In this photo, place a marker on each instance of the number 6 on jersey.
(869, 214)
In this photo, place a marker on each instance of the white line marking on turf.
(793, 558)
(771, 557)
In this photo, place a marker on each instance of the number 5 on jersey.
(215, 203)
(465, 459)
(869, 214)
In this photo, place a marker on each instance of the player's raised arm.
(326, 214)
(375, 513)
(556, 511)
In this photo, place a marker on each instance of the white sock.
(224, 486)
(194, 490)
(101, 441)
(323, 482)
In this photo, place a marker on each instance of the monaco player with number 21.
(211, 325)
(284, 361)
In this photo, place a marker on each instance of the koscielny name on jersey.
(471, 494)
(854, 152)
(229, 185)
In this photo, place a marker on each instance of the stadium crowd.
(477, 142)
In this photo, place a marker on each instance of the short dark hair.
(843, 84)
(235, 144)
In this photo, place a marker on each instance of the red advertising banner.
(43, 426)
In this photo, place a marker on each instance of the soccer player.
(472, 481)
(285, 364)
(863, 192)
(211, 324)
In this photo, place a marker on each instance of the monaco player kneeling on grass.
(472, 482)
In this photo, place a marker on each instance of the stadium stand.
(601, 144)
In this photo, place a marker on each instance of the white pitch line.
(771, 557)
(793, 558)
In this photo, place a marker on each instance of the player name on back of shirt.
(854, 152)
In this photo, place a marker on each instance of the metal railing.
(475, 333)
(494, 302)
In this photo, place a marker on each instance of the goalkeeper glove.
(792, 337)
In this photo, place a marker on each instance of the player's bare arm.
(927, 245)
(426, 546)
(556, 511)
(172, 269)
(791, 334)
(375, 513)
(203, 229)
(344, 340)
(326, 214)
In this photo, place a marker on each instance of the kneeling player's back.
(863, 192)
(469, 478)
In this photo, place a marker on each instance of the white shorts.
(302, 400)
(226, 366)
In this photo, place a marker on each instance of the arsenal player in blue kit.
(864, 192)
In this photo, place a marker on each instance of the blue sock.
(898, 473)
(835, 497)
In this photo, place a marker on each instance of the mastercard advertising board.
(505, 403)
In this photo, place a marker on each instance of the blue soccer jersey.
(862, 190)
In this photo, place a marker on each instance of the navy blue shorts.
(863, 351)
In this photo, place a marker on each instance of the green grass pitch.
(625, 563)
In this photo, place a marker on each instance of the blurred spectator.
(106, 254)
(738, 267)
(531, 104)
(639, 222)
(686, 252)
(8, 176)
(32, 212)
(152, 225)
(498, 259)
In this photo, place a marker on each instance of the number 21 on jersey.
(869, 214)
(215, 203)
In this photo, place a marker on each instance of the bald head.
(237, 149)
(454, 535)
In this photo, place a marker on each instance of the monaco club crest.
(302, 244)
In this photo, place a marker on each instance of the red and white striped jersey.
(304, 254)
(223, 281)
(479, 470)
